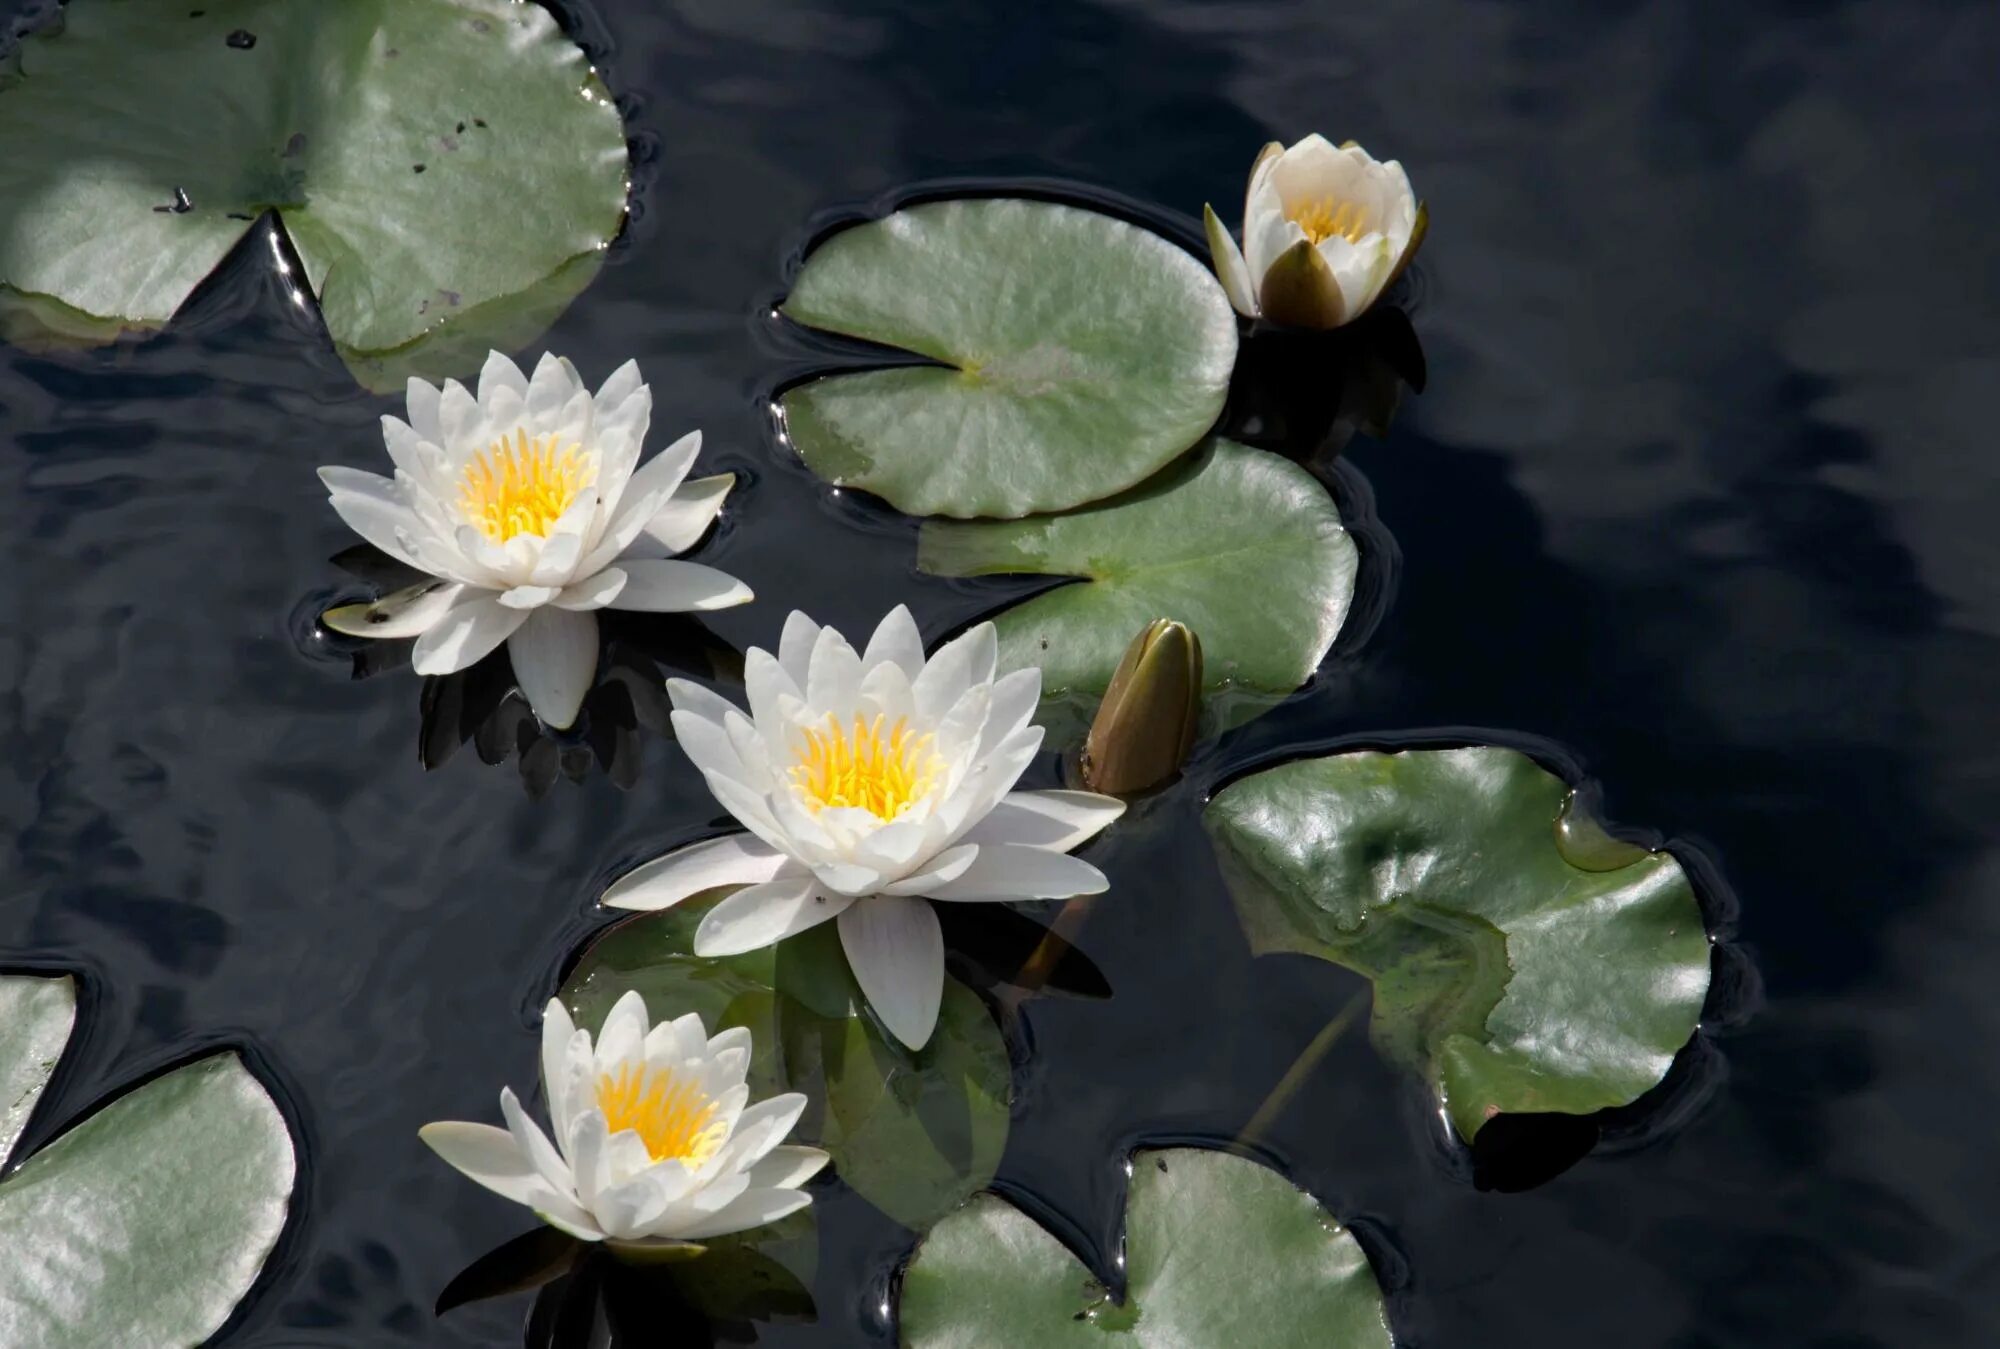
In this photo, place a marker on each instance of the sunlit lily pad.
(1218, 1251)
(912, 1132)
(146, 1223)
(1516, 977)
(447, 170)
(1075, 355)
(1244, 547)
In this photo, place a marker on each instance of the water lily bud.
(1326, 231)
(1146, 725)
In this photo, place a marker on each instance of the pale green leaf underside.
(1242, 546)
(1077, 355)
(1218, 1251)
(913, 1133)
(148, 1222)
(324, 120)
(36, 1014)
(1514, 980)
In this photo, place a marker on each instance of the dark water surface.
(1699, 501)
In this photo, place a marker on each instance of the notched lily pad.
(148, 1221)
(447, 170)
(1521, 961)
(1244, 547)
(1219, 1250)
(1075, 355)
(913, 1133)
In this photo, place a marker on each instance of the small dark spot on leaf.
(479, 122)
(180, 205)
(1161, 1162)
(242, 39)
(461, 128)
(1080, 1316)
(423, 308)
(391, 54)
(296, 146)
(451, 297)
(238, 215)
(416, 168)
(481, 26)
(1045, 644)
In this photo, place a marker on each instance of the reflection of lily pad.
(1515, 977)
(1077, 355)
(433, 161)
(913, 1133)
(1242, 546)
(1218, 1251)
(147, 1222)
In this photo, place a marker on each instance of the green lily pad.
(1076, 355)
(914, 1133)
(1515, 976)
(1218, 1251)
(35, 1019)
(147, 1222)
(433, 161)
(1244, 547)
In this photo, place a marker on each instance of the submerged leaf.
(911, 1132)
(146, 1223)
(1243, 547)
(447, 170)
(1076, 355)
(1516, 980)
(1218, 1251)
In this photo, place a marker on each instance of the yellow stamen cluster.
(864, 767)
(522, 486)
(1322, 220)
(671, 1116)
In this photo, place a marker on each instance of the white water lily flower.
(871, 784)
(653, 1139)
(1325, 232)
(524, 502)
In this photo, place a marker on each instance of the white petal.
(795, 648)
(679, 525)
(528, 597)
(534, 1145)
(1004, 871)
(622, 384)
(897, 640)
(1230, 268)
(1061, 821)
(624, 1035)
(666, 470)
(378, 514)
(467, 631)
(500, 373)
(668, 586)
(709, 746)
(765, 682)
(403, 613)
(733, 859)
(765, 914)
(959, 664)
(555, 565)
(948, 865)
(833, 677)
(848, 878)
(896, 950)
(786, 1167)
(752, 1208)
(688, 696)
(592, 593)
(420, 397)
(553, 384)
(558, 1030)
(554, 655)
(489, 1156)
(461, 422)
(1016, 695)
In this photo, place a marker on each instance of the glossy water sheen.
(1701, 492)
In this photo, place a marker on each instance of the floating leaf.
(36, 1014)
(912, 1132)
(447, 170)
(1243, 547)
(146, 1223)
(1218, 1251)
(1077, 355)
(1514, 978)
